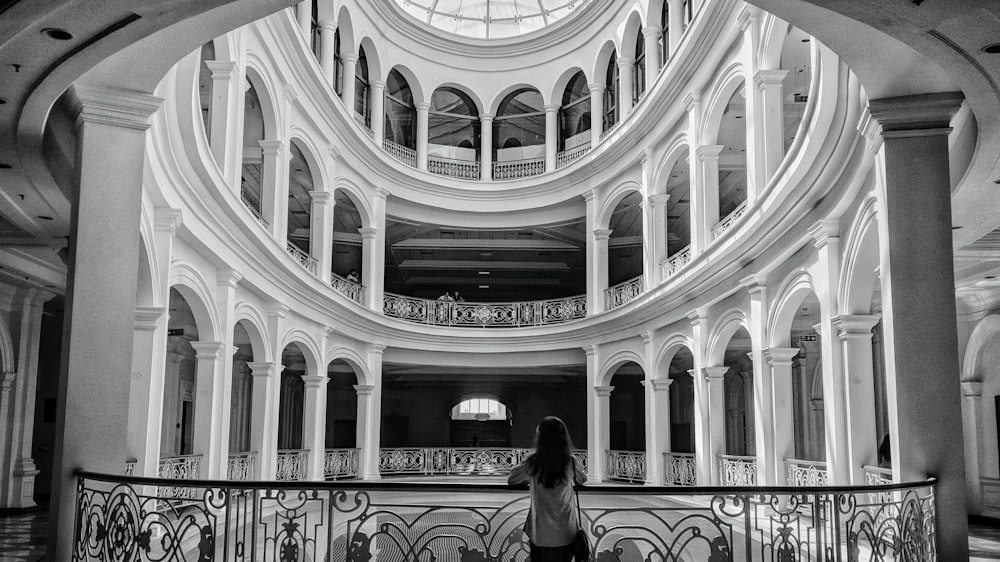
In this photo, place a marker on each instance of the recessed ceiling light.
(57, 34)
(486, 254)
(992, 49)
(484, 286)
(484, 272)
(44, 218)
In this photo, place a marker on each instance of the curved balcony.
(484, 315)
(350, 289)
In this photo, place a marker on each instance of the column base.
(23, 484)
(375, 476)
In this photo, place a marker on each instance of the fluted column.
(715, 381)
(675, 24)
(651, 37)
(303, 16)
(264, 417)
(782, 414)
(770, 124)
(321, 232)
(658, 430)
(378, 111)
(855, 334)
(625, 85)
(659, 235)
(314, 423)
(423, 110)
(350, 61)
(274, 188)
(596, 113)
(486, 147)
(705, 195)
(551, 136)
(327, 39)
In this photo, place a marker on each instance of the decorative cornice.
(659, 200)
(690, 100)
(228, 277)
(221, 69)
(714, 373)
(697, 316)
(659, 385)
(277, 310)
(364, 389)
(270, 147)
(207, 350)
(919, 114)
(603, 391)
(261, 369)
(315, 381)
(319, 197)
(848, 325)
(167, 219)
(368, 233)
(147, 317)
(709, 151)
(602, 233)
(824, 232)
(779, 356)
(590, 350)
(769, 78)
(117, 108)
(754, 282)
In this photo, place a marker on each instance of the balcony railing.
(609, 130)
(120, 518)
(622, 293)
(570, 155)
(292, 464)
(514, 169)
(451, 460)
(626, 466)
(255, 212)
(484, 315)
(730, 220)
(182, 467)
(310, 263)
(735, 470)
(875, 476)
(680, 469)
(402, 153)
(453, 168)
(350, 289)
(806, 473)
(340, 463)
(675, 262)
(241, 466)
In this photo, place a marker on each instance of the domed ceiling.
(490, 19)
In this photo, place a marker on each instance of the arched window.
(300, 183)
(519, 130)
(611, 93)
(453, 125)
(480, 409)
(362, 90)
(253, 132)
(639, 68)
(400, 113)
(338, 65)
(574, 113)
(664, 33)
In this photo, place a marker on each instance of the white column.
(593, 301)
(208, 412)
(692, 105)
(826, 277)
(749, 19)
(327, 39)
(321, 232)
(782, 414)
(220, 124)
(658, 237)
(855, 334)
(551, 136)
(625, 65)
(599, 266)
(227, 279)
(303, 14)
(422, 114)
(373, 254)
(347, 94)
(705, 195)
(595, 447)
(378, 111)
(274, 188)
(675, 23)
(770, 124)
(702, 445)
(972, 416)
(596, 113)
(658, 428)
(314, 423)
(146, 389)
(370, 416)
(651, 37)
(486, 147)
(763, 431)
(602, 401)
(715, 381)
(264, 417)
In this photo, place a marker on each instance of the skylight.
(490, 19)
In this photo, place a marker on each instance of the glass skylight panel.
(490, 18)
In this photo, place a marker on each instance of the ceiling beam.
(446, 282)
(484, 244)
(483, 265)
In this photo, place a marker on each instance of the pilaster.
(596, 113)
(715, 381)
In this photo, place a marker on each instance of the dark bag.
(581, 546)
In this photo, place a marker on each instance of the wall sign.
(808, 337)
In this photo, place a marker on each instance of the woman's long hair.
(553, 452)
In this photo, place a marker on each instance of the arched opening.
(611, 93)
(338, 65)
(480, 423)
(362, 90)
(626, 456)
(453, 142)
(625, 257)
(251, 182)
(574, 114)
(679, 212)
(639, 67)
(315, 41)
(205, 86)
(177, 431)
(348, 248)
(682, 402)
(242, 391)
(796, 60)
(291, 396)
(341, 406)
(400, 112)
(300, 183)
(807, 382)
(664, 32)
(519, 135)
(732, 137)
(739, 396)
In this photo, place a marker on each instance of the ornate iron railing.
(875, 476)
(292, 464)
(806, 473)
(484, 315)
(453, 167)
(626, 466)
(675, 262)
(310, 263)
(622, 293)
(453, 460)
(736, 470)
(340, 463)
(350, 289)
(680, 469)
(181, 467)
(728, 222)
(402, 153)
(117, 518)
(241, 466)
(255, 212)
(514, 169)
(568, 156)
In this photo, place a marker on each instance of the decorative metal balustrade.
(484, 315)
(310, 263)
(626, 466)
(340, 463)
(255, 212)
(350, 289)
(182, 467)
(875, 476)
(675, 262)
(680, 469)
(730, 220)
(118, 518)
(622, 293)
(806, 473)
(514, 169)
(452, 460)
(453, 167)
(568, 156)
(402, 153)
(241, 466)
(292, 465)
(736, 470)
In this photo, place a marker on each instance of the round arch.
(633, 25)
(615, 197)
(727, 326)
(506, 401)
(859, 272)
(499, 97)
(192, 286)
(616, 360)
(727, 84)
(255, 326)
(793, 290)
(416, 88)
(7, 362)
(259, 78)
(146, 286)
(354, 359)
(677, 148)
(987, 330)
(317, 171)
(607, 50)
(476, 100)
(556, 95)
(668, 351)
(359, 198)
(773, 33)
(373, 58)
(308, 348)
(345, 25)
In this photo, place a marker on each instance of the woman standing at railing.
(550, 473)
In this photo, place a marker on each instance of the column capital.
(207, 349)
(376, 348)
(824, 232)
(228, 277)
(423, 106)
(290, 94)
(552, 107)
(916, 115)
(319, 197)
(588, 196)
(972, 389)
(625, 61)
(483, 117)
(779, 356)
(602, 233)
(270, 147)
(652, 30)
(690, 101)
(262, 369)
(167, 219)
(596, 87)
(114, 107)
(603, 391)
(7, 380)
(315, 381)
(714, 373)
(659, 385)
(848, 325)
(146, 317)
(377, 84)
(328, 25)
(381, 193)
(696, 316)
(708, 151)
(349, 58)
(659, 200)
(364, 389)
(221, 69)
(754, 283)
(277, 310)
(590, 350)
(769, 78)
(646, 336)
(368, 233)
